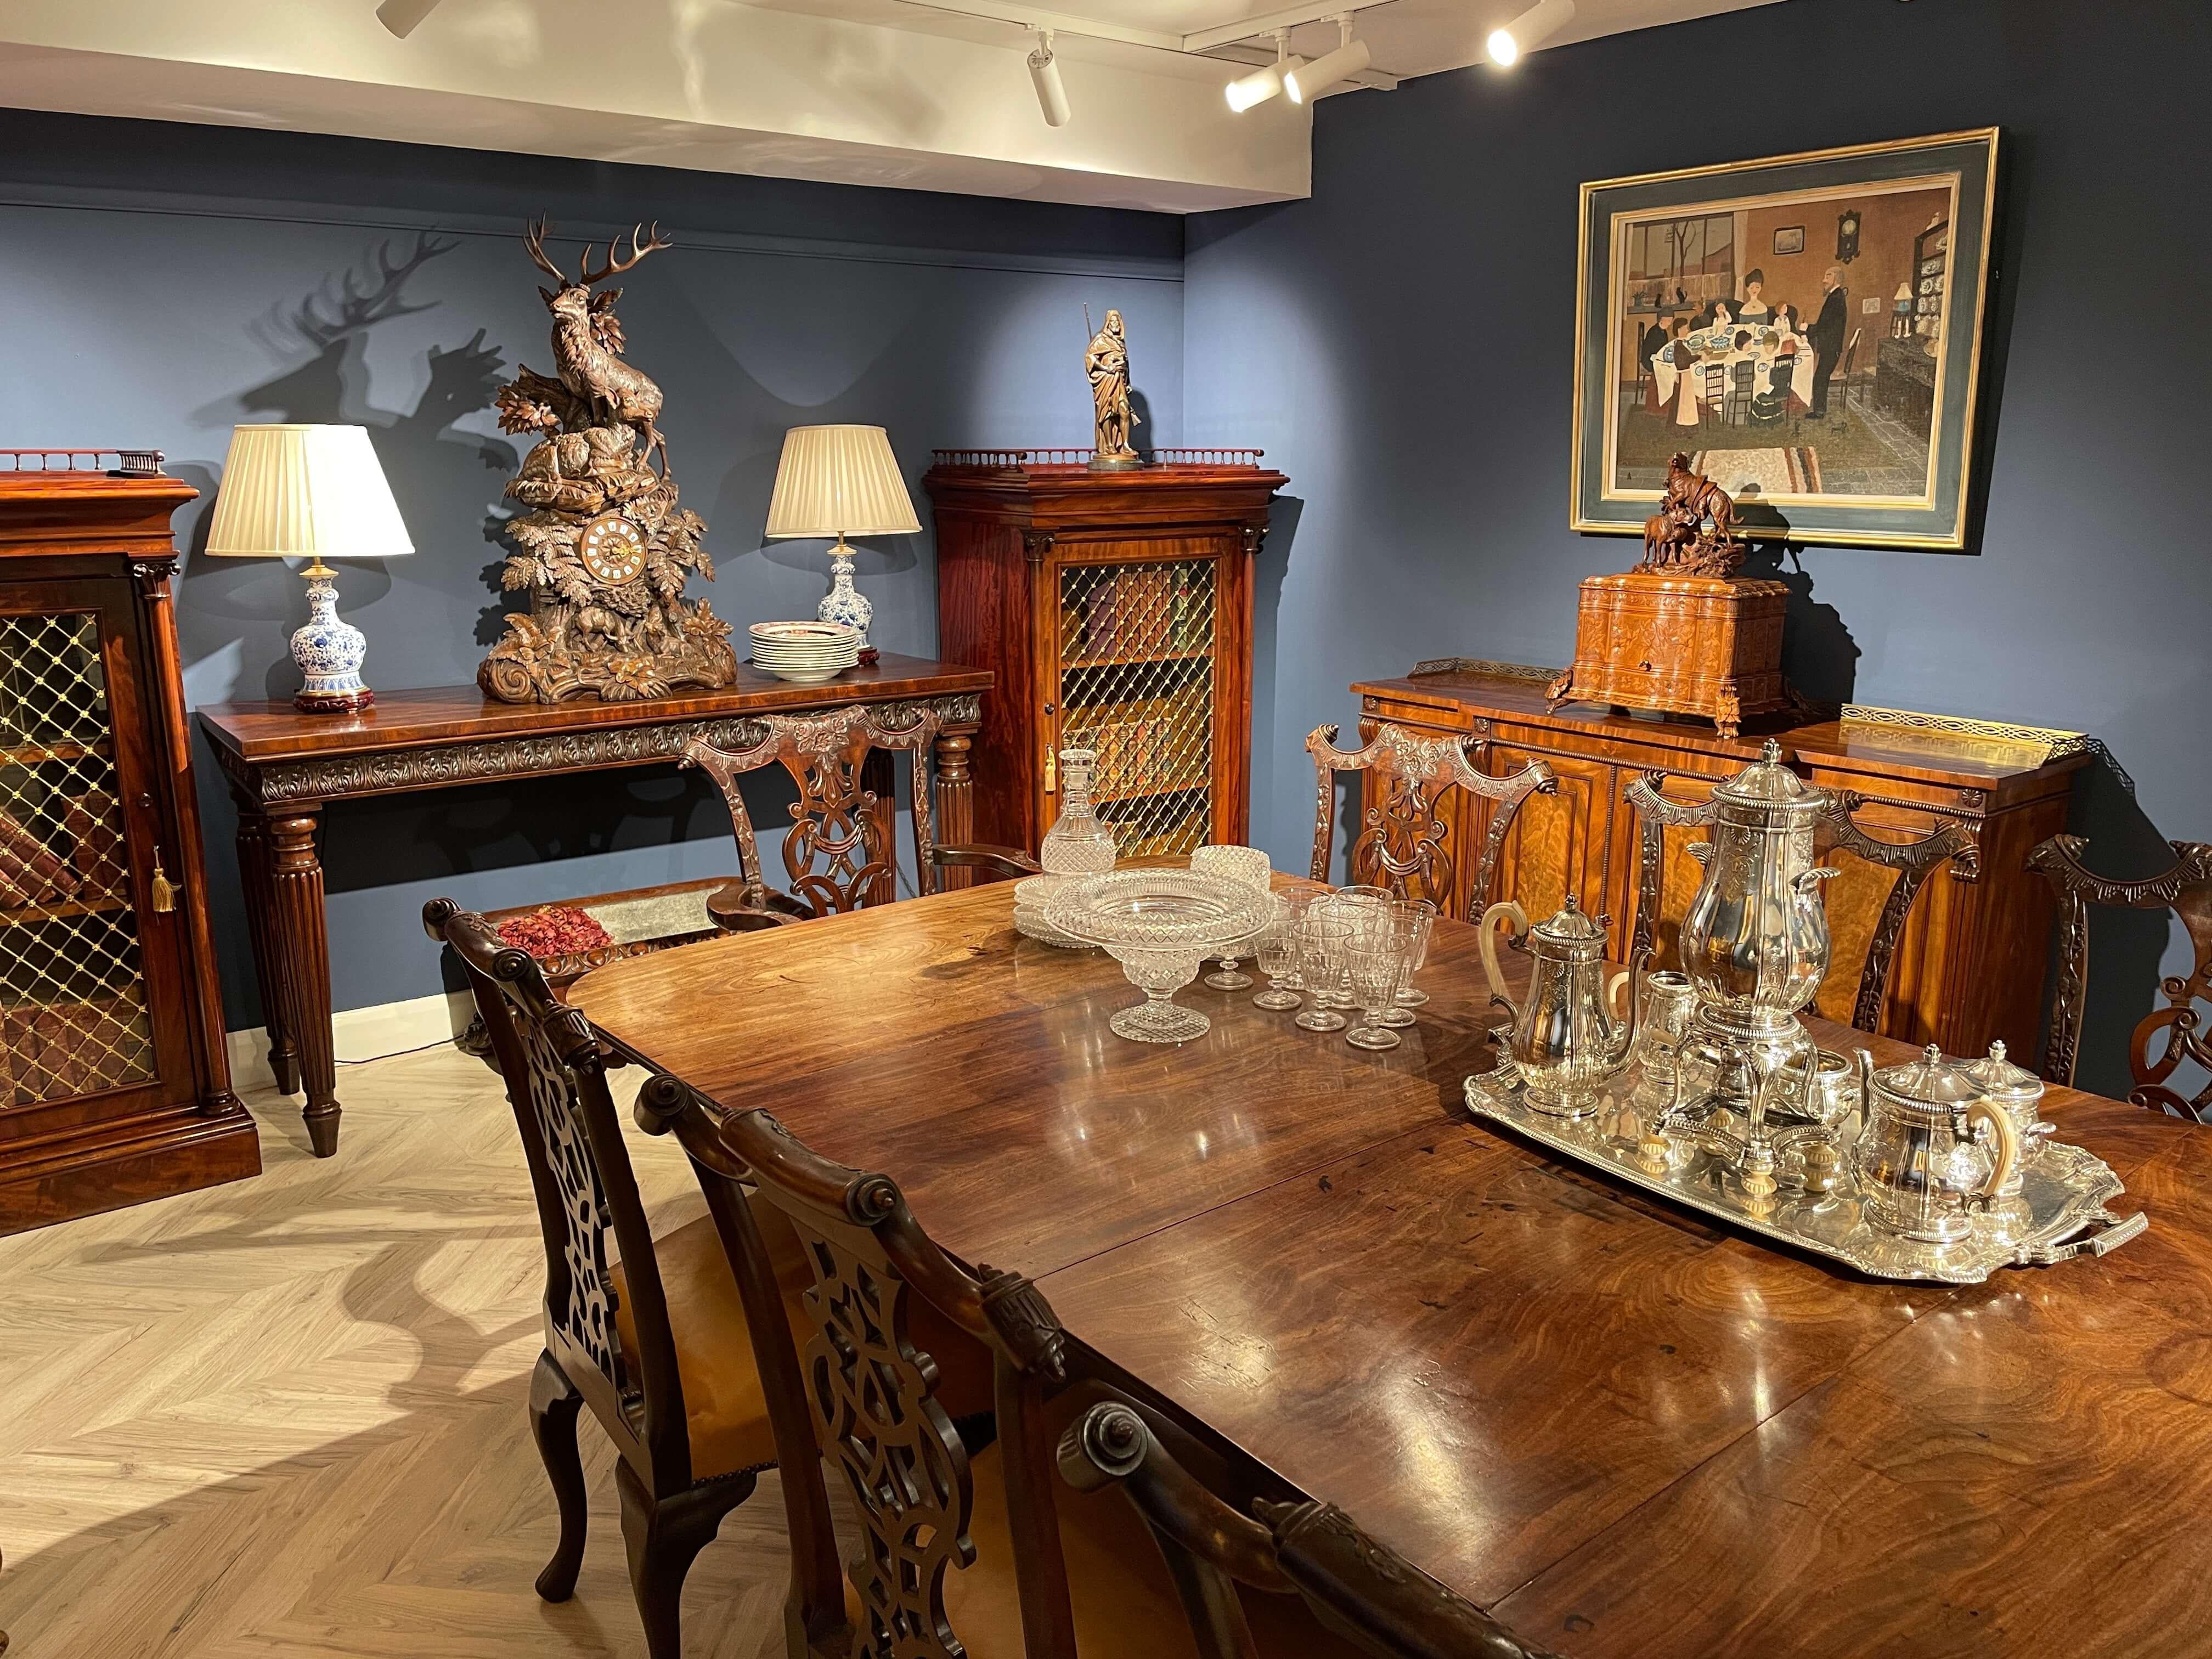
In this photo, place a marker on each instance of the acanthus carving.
(430, 767)
(2166, 1037)
(1024, 1322)
(1400, 844)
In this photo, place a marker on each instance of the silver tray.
(2060, 1212)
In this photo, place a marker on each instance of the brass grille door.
(76, 1011)
(1137, 681)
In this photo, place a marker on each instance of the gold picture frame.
(1833, 389)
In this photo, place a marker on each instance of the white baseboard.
(359, 1033)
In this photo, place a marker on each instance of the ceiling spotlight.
(1044, 74)
(1529, 30)
(401, 16)
(1265, 83)
(1310, 81)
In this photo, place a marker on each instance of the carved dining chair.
(2167, 1036)
(966, 1547)
(651, 1335)
(839, 854)
(1353, 1585)
(1655, 940)
(1400, 843)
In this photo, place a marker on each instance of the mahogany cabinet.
(1116, 609)
(1969, 964)
(113, 1085)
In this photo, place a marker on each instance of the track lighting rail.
(1204, 42)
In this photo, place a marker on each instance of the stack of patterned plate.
(805, 652)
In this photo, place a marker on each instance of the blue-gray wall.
(1401, 345)
(156, 277)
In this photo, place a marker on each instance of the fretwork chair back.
(840, 851)
(1861, 931)
(679, 1398)
(963, 1552)
(2169, 1036)
(1405, 830)
(1354, 1587)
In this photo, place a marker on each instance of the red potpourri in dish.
(558, 930)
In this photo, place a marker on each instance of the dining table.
(1622, 1427)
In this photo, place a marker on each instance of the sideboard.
(1970, 963)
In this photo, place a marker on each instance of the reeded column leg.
(956, 801)
(260, 922)
(302, 953)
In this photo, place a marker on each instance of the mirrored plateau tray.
(2060, 1212)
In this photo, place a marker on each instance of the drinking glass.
(1247, 865)
(1408, 994)
(1277, 951)
(1421, 916)
(1322, 944)
(1376, 963)
(1360, 908)
(1297, 904)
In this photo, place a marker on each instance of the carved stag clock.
(605, 551)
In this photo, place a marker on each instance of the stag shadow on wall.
(433, 468)
(1820, 657)
(1270, 568)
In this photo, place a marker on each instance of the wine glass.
(1376, 963)
(1277, 951)
(1421, 915)
(1247, 865)
(1323, 942)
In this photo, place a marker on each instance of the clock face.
(612, 549)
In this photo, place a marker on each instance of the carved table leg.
(260, 912)
(302, 954)
(956, 800)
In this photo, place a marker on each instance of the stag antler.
(533, 239)
(616, 265)
(357, 310)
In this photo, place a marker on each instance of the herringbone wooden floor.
(286, 1417)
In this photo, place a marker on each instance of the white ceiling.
(851, 91)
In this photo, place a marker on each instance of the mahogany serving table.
(1625, 1429)
(284, 767)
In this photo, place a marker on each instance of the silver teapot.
(1567, 1036)
(1755, 941)
(1921, 1170)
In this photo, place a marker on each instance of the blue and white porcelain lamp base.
(845, 603)
(329, 652)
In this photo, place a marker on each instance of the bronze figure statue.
(606, 552)
(1107, 363)
(1693, 532)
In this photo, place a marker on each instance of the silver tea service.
(1567, 1039)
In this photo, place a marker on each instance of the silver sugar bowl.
(1755, 941)
(2019, 1092)
(1922, 1171)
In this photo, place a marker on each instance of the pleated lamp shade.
(840, 481)
(305, 492)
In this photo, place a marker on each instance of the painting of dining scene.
(1803, 329)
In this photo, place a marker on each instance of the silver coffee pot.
(1567, 1039)
(1921, 1170)
(1755, 941)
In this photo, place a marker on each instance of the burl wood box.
(1685, 645)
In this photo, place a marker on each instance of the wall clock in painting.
(1708, 324)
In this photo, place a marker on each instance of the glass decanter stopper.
(1078, 843)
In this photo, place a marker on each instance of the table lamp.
(840, 481)
(313, 493)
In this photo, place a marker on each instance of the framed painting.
(1827, 383)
